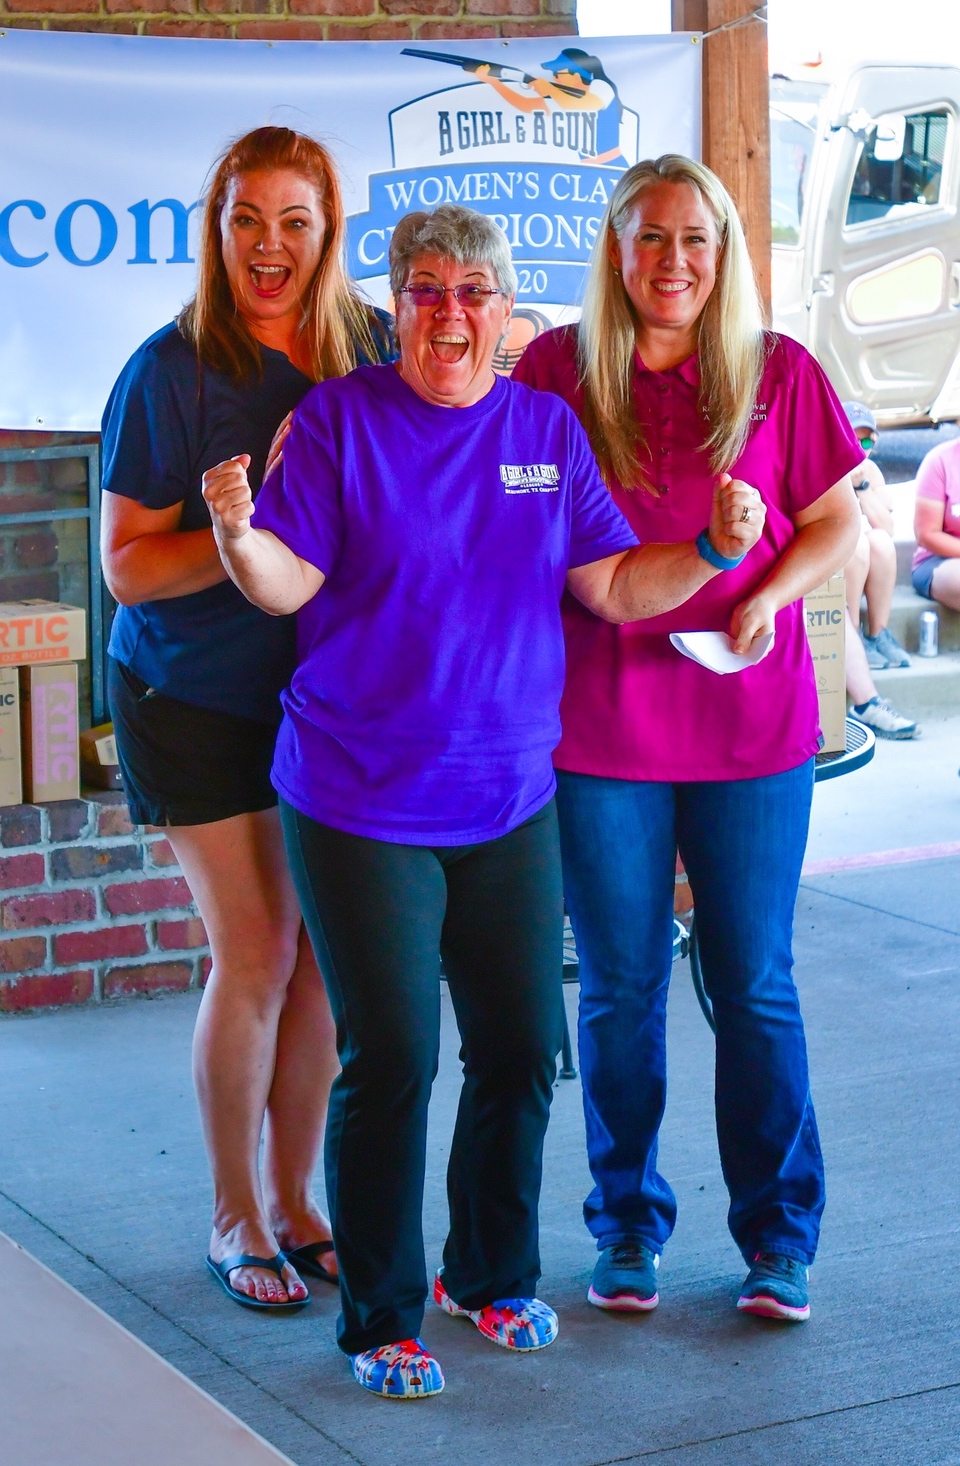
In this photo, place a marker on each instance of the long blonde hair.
(336, 322)
(731, 340)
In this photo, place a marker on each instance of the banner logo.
(539, 154)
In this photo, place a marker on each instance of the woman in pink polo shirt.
(678, 385)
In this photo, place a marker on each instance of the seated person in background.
(868, 705)
(872, 569)
(936, 524)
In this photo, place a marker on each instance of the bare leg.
(881, 579)
(237, 873)
(946, 584)
(855, 574)
(860, 685)
(306, 1067)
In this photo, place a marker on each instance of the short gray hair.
(453, 233)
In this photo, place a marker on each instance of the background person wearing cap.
(872, 571)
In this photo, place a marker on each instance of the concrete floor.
(103, 1177)
(909, 795)
(77, 1388)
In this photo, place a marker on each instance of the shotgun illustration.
(502, 73)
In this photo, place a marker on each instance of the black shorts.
(184, 765)
(922, 575)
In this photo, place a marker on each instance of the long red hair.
(336, 322)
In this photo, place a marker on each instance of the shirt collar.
(689, 369)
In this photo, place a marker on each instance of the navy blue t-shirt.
(168, 420)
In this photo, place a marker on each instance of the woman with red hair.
(196, 672)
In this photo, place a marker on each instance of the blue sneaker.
(403, 1371)
(776, 1287)
(513, 1323)
(625, 1278)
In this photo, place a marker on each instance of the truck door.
(884, 266)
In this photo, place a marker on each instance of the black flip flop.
(222, 1270)
(306, 1259)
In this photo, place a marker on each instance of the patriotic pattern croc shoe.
(403, 1371)
(513, 1323)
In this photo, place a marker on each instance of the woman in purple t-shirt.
(680, 387)
(442, 510)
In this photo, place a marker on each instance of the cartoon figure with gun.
(577, 82)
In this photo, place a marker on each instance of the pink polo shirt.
(633, 707)
(938, 479)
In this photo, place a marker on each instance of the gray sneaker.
(876, 660)
(888, 646)
(776, 1287)
(885, 721)
(625, 1278)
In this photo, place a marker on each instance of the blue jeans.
(742, 843)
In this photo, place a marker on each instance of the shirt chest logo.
(530, 478)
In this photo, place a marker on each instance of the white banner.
(108, 141)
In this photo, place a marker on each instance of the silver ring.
(745, 515)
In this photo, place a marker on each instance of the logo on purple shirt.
(530, 478)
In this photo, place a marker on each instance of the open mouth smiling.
(269, 280)
(449, 347)
(671, 287)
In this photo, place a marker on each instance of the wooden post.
(736, 118)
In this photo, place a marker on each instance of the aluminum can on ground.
(929, 634)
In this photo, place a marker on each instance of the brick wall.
(299, 20)
(91, 908)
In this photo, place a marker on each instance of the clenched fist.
(227, 492)
(737, 518)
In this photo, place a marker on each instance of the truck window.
(794, 126)
(899, 167)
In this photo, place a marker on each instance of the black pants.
(380, 916)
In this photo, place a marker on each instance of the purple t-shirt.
(425, 705)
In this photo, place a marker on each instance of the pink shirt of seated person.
(938, 479)
(634, 707)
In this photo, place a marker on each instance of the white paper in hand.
(714, 650)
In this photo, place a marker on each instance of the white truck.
(866, 233)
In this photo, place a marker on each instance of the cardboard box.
(825, 615)
(41, 631)
(11, 782)
(99, 764)
(51, 746)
